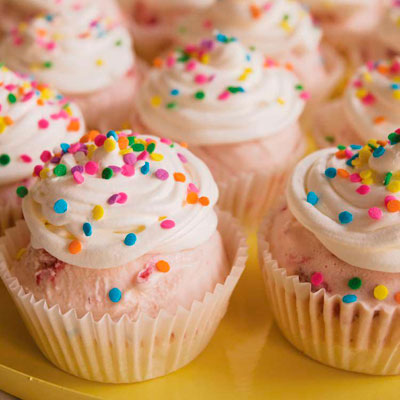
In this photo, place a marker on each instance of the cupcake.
(330, 257)
(350, 25)
(152, 22)
(83, 53)
(370, 107)
(123, 266)
(238, 111)
(281, 29)
(389, 30)
(33, 119)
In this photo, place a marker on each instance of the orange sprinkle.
(8, 120)
(92, 134)
(379, 120)
(382, 143)
(123, 142)
(179, 177)
(289, 66)
(204, 201)
(255, 11)
(74, 125)
(162, 266)
(393, 206)
(84, 138)
(184, 145)
(158, 62)
(397, 297)
(41, 32)
(75, 247)
(383, 69)
(340, 154)
(40, 102)
(192, 198)
(343, 173)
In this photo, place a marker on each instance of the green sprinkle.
(388, 177)
(299, 87)
(372, 146)
(151, 147)
(341, 147)
(131, 140)
(47, 64)
(199, 95)
(355, 283)
(118, 42)
(22, 191)
(330, 139)
(11, 98)
(60, 170)
(183, 57)
(107, 173)
(235, 89)
(171, 105)
(394, 138)
(137, 147)
(4, 159)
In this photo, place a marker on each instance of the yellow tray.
(247, 359)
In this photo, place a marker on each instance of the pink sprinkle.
(74, 148)
(162, 174)
(208, 24)
(27, 96)
(369, 99)
(99, 140)
(143, 155)
(170, 61)
(43, 123)
(375, 213)
(37, 169)
(193, 188)
(129, 158)
(166, 141)
(224, 95)
(370, 65)
(167, 224)
(45, 156)
(145, 273)
(78, 177)
(25, 158)
(317, 278)
(389, 198)
(348, 153)
(357, 83)
(191, 65)
(355, 178)
(91, 167)
(363, 189)
(305, 95)
(122, 198)
(182, 158)
(128, 170)
(201, 79)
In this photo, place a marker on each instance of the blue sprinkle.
(330, 172)
(87, 229)
(379, 152)
(312, 198)
(60, 206)
(350, 160)
(395, 86)
(345, 217)
(349, 298)
(145, 169)
(113, 134)
(130, 239)
(49, 17)
(64, 147)
(174, 92)
(248, 57)
(221, 38)
(115, 295)
(356, 147)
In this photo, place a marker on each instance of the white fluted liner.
(9, 215)
(353, 337)
(123, 351)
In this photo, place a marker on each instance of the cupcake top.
(349, 199)
(218, 92)
(78, 50)
(274, 27)
(109, 199)
(389, 30)
(372, 99)
(33, 119)
(178, 5)
(340, 8)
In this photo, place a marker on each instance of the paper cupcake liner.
(353, 337)
(9, 215)
(123, 351)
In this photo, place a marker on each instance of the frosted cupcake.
(370, 107)
(330, 258)
(123, 251)
(281, 29)
(33, 119)
(238, 111)
(389, 30)
(152, 22)
(83, 53)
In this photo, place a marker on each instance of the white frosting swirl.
(372, 102)
(389, 29)
(372, 239)
(177, 5)
(78, 50)
(276, 28)
(33, 118)
(241, 99)
(338, 8)
(148, 199)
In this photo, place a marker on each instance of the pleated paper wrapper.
(123, 351)
(9, 215)
(353, 337)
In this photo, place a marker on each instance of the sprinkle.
(87, 229)
(393, 206)
(60, 170)
(138, 147)
(397, 297)
(381, 292)
(109, 145)
(75, 247)
(375, 213)
(45, 156)
(379, 152)
(11, 98)
(394, 186)
(91, 167)
(343, 173)
(363, 189)
(204, 201)
(162, 266)
(330, 173)
(60, 206)
(4, 159)
(156, 157)
(156, 101)
(179, 177)
(312, 198)
(388, 177)
(317, 278)
(161, 174)
(145, 169)
(174, 92)
(129, 159)
(355, 283)
(22, 191)
(107, 173)
(167, 224)
(99, 140)
(78, 177)
(115, 295)
(130, 239)
(192, 198)
(349, 298)
(128, 170)
(43, 123)
(345, 217)
(98, 212)
(112, 134)
(200, 95)
(25, 158)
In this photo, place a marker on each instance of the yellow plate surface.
(247, 359)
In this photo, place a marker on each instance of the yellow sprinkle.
(396, 94)
(98, 212)
(156, 157)
(3, 126)
(381, 292)
(140, 229)
(357, 162)
(46, 94)
(373, 142)
(398, 22)
(394, 186)
(360, 93)
(99, 62)
(286, 27)
(91, 148)
(367, 77)
(367, 181)
(205, 59)
(161, 218)
(44, 173)
(364, 154)
(20, 253)
(68, 110)
(141, 141)
(366, 174)
(281, 101)
(109, 145)
(125, 151)
(156, 101)
(396, 79)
